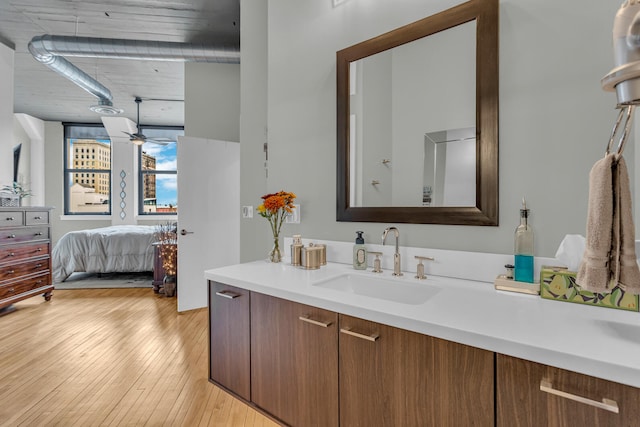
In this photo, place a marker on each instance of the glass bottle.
(524, 247)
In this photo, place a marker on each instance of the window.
(158, 174)
(81, 197)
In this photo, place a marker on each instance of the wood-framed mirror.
(361, 195)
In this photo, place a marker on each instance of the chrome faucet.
(396, 257)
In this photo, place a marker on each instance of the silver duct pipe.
(50, 50)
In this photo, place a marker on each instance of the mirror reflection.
(401, 97)
(397, 97)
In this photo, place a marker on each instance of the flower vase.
(169, 285)
(274, 254)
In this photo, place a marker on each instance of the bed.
(116, 249)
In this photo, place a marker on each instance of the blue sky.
(166, 159)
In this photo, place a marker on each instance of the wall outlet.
(293, 217)
(247, 212)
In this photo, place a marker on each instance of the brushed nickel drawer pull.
(37, 217)
(12, 254)
(12, 236)
(38, 265)
(228, 294)
(315, 322)
(11, 271)
(39, 233)
(10, 218)
(12, 290)
(606, 404)
(39, 281)
(348, 331)
(39, 250)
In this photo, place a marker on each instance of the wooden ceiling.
(43, 93)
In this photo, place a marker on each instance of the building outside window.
(158, 175)
(81, 196)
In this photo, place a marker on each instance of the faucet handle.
(420, 267)
(376, 262)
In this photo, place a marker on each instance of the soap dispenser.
(359, 253)
(524, 247)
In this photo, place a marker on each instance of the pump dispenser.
(524, 247)
(359, 253)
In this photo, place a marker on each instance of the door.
(294, 361)
(229, 339)
(393, 377)
(208, 214)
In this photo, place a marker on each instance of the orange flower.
(275, 207)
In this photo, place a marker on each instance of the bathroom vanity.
(336, 347)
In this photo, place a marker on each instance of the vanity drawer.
(17, 253)
(37, 217)
(10, 219)
(24, 234)
(13, 289)
(15, 271)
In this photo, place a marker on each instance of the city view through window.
(88, 177)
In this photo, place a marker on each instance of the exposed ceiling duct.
(51, 50)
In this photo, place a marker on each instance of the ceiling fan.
(139, 138)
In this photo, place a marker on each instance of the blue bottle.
(523, 271)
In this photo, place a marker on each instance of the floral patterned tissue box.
(559, 284)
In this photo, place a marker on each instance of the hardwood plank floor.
(111, 357)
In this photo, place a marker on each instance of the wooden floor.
(110, 357)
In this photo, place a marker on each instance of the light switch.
(293, 217)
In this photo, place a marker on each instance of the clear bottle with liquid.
(524, 247)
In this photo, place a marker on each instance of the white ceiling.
(43, 93)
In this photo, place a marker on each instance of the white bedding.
(121, 248)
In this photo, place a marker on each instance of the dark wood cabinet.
(25, 254)
(229, 326)
(532, 394)
(393, 377)
(294, 363)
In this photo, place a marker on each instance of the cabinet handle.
(12, 290)
(10, 218)
(348, 331)
(37, 217)
(315, 322)
(606, 404)
(12, 236)
(228, 294)
(11, 271)
(38, 265)
(39, 233)
(12, 254)
(39, 250)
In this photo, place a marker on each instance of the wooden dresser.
(25, 254)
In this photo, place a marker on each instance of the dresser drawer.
(15, 271)
(13, 289)
(37, 217)
(17, 253)
(24, 234)
(10, 219)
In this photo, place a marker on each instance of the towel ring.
(629, 109)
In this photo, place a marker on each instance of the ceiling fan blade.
(157, 141)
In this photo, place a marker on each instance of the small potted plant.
(9, 194)
(167, 241)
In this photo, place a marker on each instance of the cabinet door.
(294, 361)
(229, 346)
(566, 399)
(393, 377)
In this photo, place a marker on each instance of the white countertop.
(595, 341)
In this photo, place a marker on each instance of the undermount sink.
(397, 290)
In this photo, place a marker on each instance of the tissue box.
(558, 283)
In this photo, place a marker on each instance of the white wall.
(554, 117)
(212, 101)
(6, 114)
